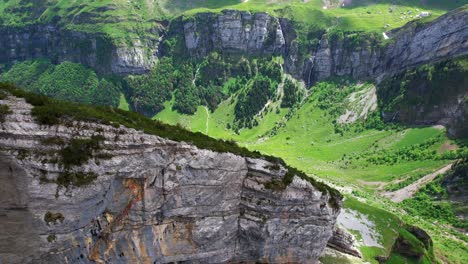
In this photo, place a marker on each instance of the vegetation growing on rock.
(4, 111)
(52, 112)
(417, 95)
(414, 244)
(79, 151)
(77, 179)
(53, 218)
(233, 96)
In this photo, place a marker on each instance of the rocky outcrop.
(140, 198)
(433, 94)
(359, 105)
(414, 243)
(455, 183)
(91, 49)
(343, 242)
(234, 31)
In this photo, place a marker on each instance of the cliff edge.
(81, 192)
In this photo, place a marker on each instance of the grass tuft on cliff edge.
(51, 112)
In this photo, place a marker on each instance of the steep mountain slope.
(121, 38)
(337, 54)
(85, 191)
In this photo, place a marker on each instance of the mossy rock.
(53, 218)
(4, 111)
(413, 244)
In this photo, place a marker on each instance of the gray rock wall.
(343, 242)
(234, 31)
(248, 33)
(413, 45)
(94, 50)
(154, 201)
(357, 55)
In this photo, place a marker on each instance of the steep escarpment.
(432, 94)
(81, 191)
(360, 55)
(311, 56)
(96, 50)
(365, 56)
(233, 31)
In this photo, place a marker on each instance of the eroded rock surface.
(358, 55)
(153, 201)
(91, 49)
(412, 45)
(344, 242)
(234, 31)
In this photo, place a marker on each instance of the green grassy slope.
(361, 15)
(120, 18)
(308, 140)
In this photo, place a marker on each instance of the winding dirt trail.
(410, 190)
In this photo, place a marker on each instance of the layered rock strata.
(234, 31)
(91, 49)
(151, 200)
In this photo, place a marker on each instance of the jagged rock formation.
(90, 49)
(343, 242)
(234, 31)
(143, 199)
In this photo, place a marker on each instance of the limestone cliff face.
(358, 55)
(414, 44)
(152, 201)
(91, 49)
(234, 31)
